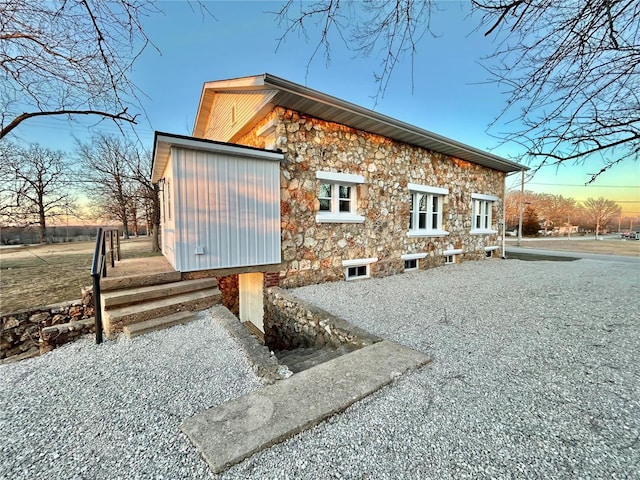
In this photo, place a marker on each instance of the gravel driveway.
(110, 411)
(535, 374)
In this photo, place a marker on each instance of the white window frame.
(417, 192)
(488, 251)
(356, 263)
(413, 256)
(481, 214)
(450, 256)
(336, 180)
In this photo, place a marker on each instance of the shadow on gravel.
(533, 257)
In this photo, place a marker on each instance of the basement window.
(358, 268)
(488, 251)
(412, 261)
(411, 264)
(450, 255)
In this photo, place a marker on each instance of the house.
(283, 180)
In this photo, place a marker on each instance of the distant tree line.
(39, 189)
(549, 213)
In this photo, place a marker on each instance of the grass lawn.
(32, 276)
(608, 246)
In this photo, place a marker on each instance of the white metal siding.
(230, 206)
(219, 125)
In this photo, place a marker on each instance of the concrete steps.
(300, 359)
(142, 301)
(141, 294)
(158, 324)
(108, 284)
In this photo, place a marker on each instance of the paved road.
(561, 253)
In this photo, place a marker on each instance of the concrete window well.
(302, 335)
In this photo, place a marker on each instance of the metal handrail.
(99, 269)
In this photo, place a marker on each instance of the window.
(412, 261)
(361, 271)
(481, 213)
(411, 264)
(338, 197)
(451, 254)
(425, 211)
(358, 268)
(488, 251)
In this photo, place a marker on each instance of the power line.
(582, 185)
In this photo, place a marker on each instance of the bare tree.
(600, 212)
(105, 166)
(147, 193)
(34, 187)
(571, 69)
(555, 210)
(69, 58)
(572, 72)
(119, 174)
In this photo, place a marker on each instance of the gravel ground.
(535, 374)
(112, 411)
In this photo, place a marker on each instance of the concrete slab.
(228, 434)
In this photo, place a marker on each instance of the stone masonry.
(291, 323)
(313, 252)
(38, 330)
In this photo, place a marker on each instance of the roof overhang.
(163, 142)
(320, 105)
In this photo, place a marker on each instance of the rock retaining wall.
(293, 323)
(38, 330)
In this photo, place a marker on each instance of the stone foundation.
(229, 289)
(27, 333)
(293, 323)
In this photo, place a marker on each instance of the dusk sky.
(451, 93)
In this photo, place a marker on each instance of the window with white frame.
(426, 211)
(358, 268)
(338, 197)
(481, 220)
(451, 254)
(412, 261)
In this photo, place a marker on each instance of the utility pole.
(521, 210)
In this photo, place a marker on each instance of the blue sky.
(451, 94)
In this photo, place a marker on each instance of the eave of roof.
(163, 142)
(326, 107)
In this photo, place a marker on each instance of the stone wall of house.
(229, 289)
(293, 323)
(41, 329)
(313, 253)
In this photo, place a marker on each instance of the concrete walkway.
(228, 434)
(576, 255)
